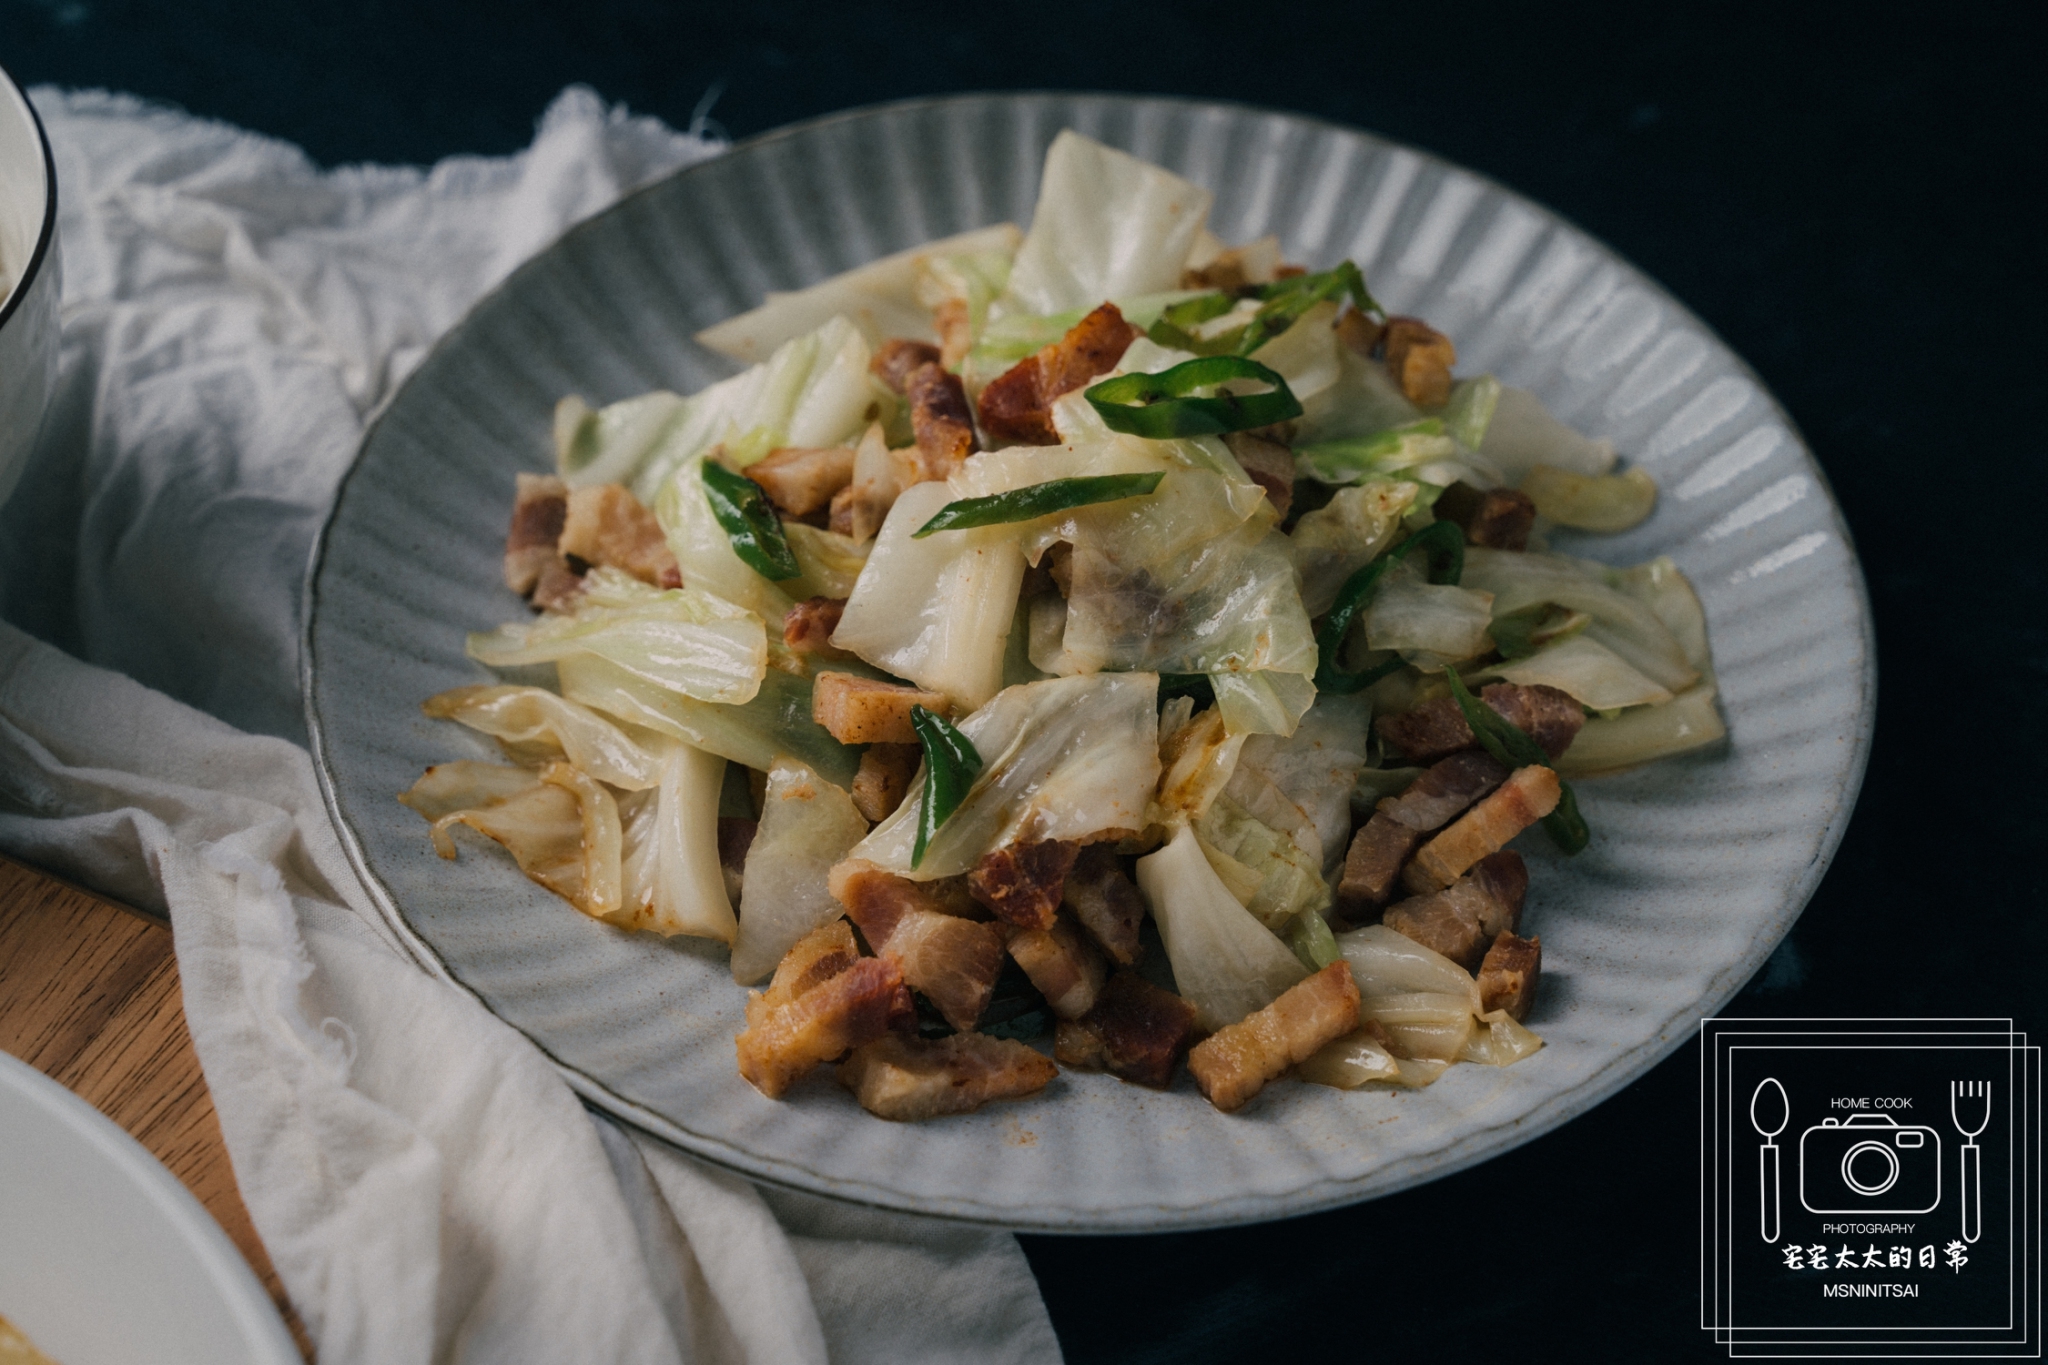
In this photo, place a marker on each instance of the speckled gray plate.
(1698, 865)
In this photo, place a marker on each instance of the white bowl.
(30, 280)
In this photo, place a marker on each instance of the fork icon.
(1971, 1100)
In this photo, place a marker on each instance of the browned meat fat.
(886, 772)
(1437, 728)
(953, 961)
(807, 627)
(896, 358)
(1063, 963)
(942, 420)
(539, 508)
(1446, 791)
(1527, 796)
(606, 525)
(801, 480)
(1373, 865)
(1360, 332)
(1462, 919)
(907, 1079)
(1016, 409)
(1136, 1032)
(1419, 358)
(1105, 902)
(559, 587)
(1499, 518)
(1270, 465)
(1234, 1063)
(1508, 976)
(859, 710)
(1024, 883)
(822, 1002)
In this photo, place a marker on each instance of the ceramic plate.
(104, 1256)
(1698, 867)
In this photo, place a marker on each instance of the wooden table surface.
(89, 996)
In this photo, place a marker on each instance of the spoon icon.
(1769, 1112)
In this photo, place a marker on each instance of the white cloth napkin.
(426, 1184)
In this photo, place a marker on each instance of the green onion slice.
(950, 765)
(1513, 747)
(1443, 546)
(1037, 500)
(1164, 406)
(755, 531)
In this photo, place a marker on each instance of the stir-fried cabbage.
(672, 881)
(1593, 674)
(1659, 585)
(1523, 435)
(938, 610)
(1621, 621)
(1688, 721)
(560, 826)
(535, 725)
(807, 824)
(1301, 784)
(1067, 758)
(610, 444)
(1358, 1058)
(1107, 225)
(1469, 413)
(1500, 1040)
(1591, 502)
(1198, 754)
(1306, 353)
(1338, 539)
(703, 548)
(831, 562)
(1363, 401)
(1386, 962)
(465, 784)
(1431, 624)
(882, 298)
(684, 638)
(1225, 963)
(1270, 872)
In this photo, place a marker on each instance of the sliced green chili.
(1286, 300)
(1163, 406)
(1511, 745)
(750, 523)
(1176, 325)
(1037, 500)
(950, 765)
(1443, 546)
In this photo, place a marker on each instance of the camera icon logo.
(1869, 1163)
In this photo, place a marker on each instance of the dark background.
(1840, 192)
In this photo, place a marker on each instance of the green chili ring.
(1162, 406)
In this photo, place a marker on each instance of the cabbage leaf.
(1225, 963)
(673, 882)
(807, 824)
(535, 725)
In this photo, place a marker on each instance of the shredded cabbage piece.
(1338, 539)
(1688, 721)
(562, 828)
(807, 825)
(831, 563)
(1593, 674)
(536, 726)
(1523, 435)
(1225, 963)
(1431, 624)
(1621, 621)
(673, 882)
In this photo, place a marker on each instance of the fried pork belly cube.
(1509, 975)
(539, 508)
(1499, 518)
(908, 1079)
(1373, 865)
(823, 1001)
(1527, 796)
(1360, 332)
(1063, 963)
(559, 588)
(807, 627)
(1382, 846)
(606, 525)
(859, 710)
(1106, 903)
(1419, 358)
(1016, 409)
(1024, 883)
(1234, 1063)
(1437, 728)
(953, 961)
(1466, 916)
(896, 358)
(1135, 1031)
(1269, 464)
(942, 420)
(801, 480)
(886, 771)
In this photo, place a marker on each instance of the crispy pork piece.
(1024, 883)
(1063, 963)
(1499, 518)
(807, 627)
(823, 1000)
(1270, 465)
(801, 480)
(860, 508)
(1360, 332)
(1136, 1032)
(559, 587)
(1373, 865)
(1106, 903)
(908, 1079)
(539, 508)
(1527, 796)
(1016, 409)
(605, 524)
(1419, 358)
(886, 771)
(735, 837)
(1446, 791)
(861, 710)
(942, 419)
(1463, 918)
(1234, 1063)
(953, 320)
(1437, 728)
(953, 961)
(1509, 974)
(897, 357)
